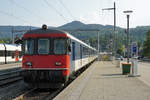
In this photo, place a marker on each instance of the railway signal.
(115, 39)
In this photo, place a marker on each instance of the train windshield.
(29, 46)
(60, 46)
(43, 46)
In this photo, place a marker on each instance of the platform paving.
(10, 66)
(104, 81)
(144, 71)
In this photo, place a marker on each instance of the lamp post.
(128, 35)
(115, 39)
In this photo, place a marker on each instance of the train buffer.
(104, 81)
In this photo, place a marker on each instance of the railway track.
(38, 94)
(9, 77)
(47, 94)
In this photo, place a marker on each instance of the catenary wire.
(51, 6)
(27, 10)
(61, 2)
(10, 15)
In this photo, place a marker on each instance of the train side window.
(13, 54)
(8, 53)
(85, 51)
(43, 46)
(81, 51)
(29, 46)
(2, 53)
(20, 54)
(60, 46)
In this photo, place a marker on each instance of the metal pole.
(12, 35)
(114, 41)
(128, 41)
(114, 16)
(98, 40)
(128, 35)
(98, 45)
(115, 45)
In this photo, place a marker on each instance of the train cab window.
(60, 46)
(43, 46)
(29, 46)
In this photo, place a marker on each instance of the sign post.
(134, 49)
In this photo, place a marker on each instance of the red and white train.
(10, 53)
(50, 57)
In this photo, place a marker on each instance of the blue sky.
(37, 12)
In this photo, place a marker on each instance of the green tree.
(1, 41)
(139, 47)
(119, 51)
(146, 46)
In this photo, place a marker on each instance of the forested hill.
(6, 31)
(139, 32)
(79, 25)
(106, 31)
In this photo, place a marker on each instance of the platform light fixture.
(128, 12)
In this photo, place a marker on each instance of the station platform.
(104, 81)
(10, 66)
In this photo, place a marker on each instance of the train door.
(81, 55)
(72, 58)
(73, 51)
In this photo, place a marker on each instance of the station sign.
(134, 48)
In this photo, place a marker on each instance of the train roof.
(76, 39)
(54, 31)
(45, 31)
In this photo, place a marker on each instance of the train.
(51, 56)
(10, 53)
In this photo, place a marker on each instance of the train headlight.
(29, 63)
(58, 63)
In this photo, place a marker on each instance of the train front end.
(46, 58)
